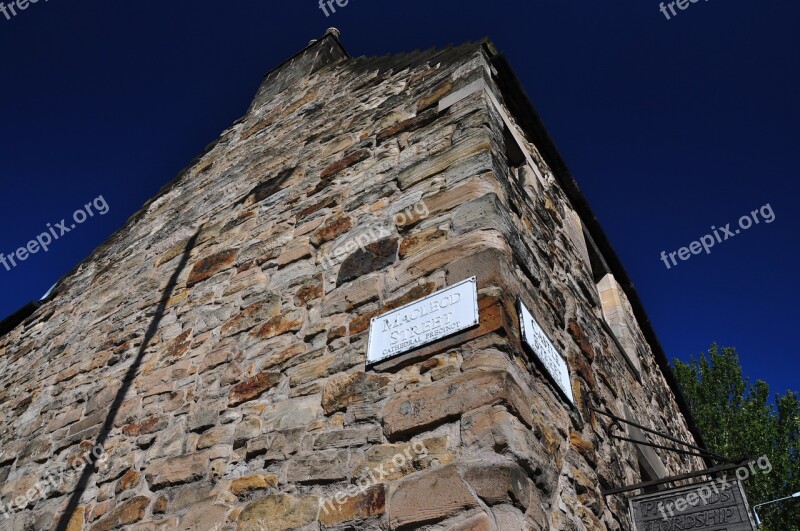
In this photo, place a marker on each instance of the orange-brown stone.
(253, 388)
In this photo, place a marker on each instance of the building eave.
(528, 118)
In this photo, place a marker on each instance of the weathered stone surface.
(292, 413)
(209, 266)
(249, 428)
(428, 497)
(309, 289)
(253, 387)
(583, 447)
(279, 513)
(77, 520)
(205, 515)
(347, 161)
(221, 435)
(274, 446)
(432, 166)
(131, 479)
(298, 251)
(581, 340)
(353, 388)
(350, 296)
(176, 470)
(280, 324)
(497, 483)
(263, 310)
(494, 427)
(361, 323)
(410, 124)
(128, 513)
(480, 522)
(332, 229)
(176, 347)
(361, 506)
(395, 461)
(323, 465)
(247, 484)
(450, 398)
(508, 517)
(372, 257)
(348, 437)
(420, 241)
(189, 495)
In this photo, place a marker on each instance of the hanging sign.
(714, 505)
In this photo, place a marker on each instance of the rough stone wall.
(215, 346)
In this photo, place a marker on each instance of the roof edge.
(10, 322)
(522, 108)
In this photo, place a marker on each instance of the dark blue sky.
(669, 126)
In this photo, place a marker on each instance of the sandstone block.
(360, 506)
(265, 309)
(204, 515)
(128, 513)
(221, 435)
(350, 296)
(176, 470)
(207, 267)
(428, 497)
(308, 289)
(348, 437)
(203, 416)
(249, 428)
(292, 413)
(253, 388)
(279, 512)
(373, 257)
(362, 322)
(296, 252)
(348, 389)
(450, 398)
(394, 461)
(479, 522)
(323, 465)
(332, 229)
(345, 162)
(431, 166)
(273, 446)
(497, 483)
(247, 484)
(280, 324)
(496, 429)
(130, 480)
(577, 333)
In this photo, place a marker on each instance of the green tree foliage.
(735, 417)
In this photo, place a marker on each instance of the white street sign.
(425, 321)
(545, 352)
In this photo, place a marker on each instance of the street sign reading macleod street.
(438, 315)
(710, 506)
